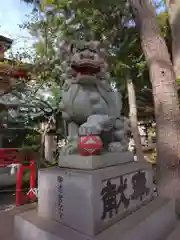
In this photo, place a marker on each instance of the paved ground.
(6, 226)
(7, 212)
(6, 200)
(7, 204)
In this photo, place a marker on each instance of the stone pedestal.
(91, 201)
(153, 221)
(95, 162)
(100, 201)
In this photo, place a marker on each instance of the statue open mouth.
(86, 68)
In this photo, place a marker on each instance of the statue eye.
(81, 49)
(93, 50)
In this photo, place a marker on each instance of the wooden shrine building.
(11, 71)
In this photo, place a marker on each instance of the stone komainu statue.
(89, 104)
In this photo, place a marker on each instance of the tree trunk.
(49, 144)
(44, 128)
(166, 102)
(42, 144)
(133, 119)
(173, 7)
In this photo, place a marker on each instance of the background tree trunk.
(49, 147)
(166, 102)
(173, 7)
(133, 119)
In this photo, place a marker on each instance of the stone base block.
(92, 200)
(175, 234)
(94, 162)
(153, 221)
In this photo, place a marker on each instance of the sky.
(13, 13)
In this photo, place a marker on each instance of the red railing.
(14, 156)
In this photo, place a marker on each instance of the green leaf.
(178, 80)
(45, 3)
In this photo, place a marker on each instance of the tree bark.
(166, 102)
(173, 7)
(49, 145)
(133, 119)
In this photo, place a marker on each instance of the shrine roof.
(8, 62)
(6, 41)
(14, 69)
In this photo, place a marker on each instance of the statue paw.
(117, 147)
(88, 130)
(71, 150)
(71, 147)
(68, 150)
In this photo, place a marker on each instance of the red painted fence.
(14, 156)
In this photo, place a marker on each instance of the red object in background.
(11, 156)
(19, 73)
(90, 145)
(8, 156)
(31, 195)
